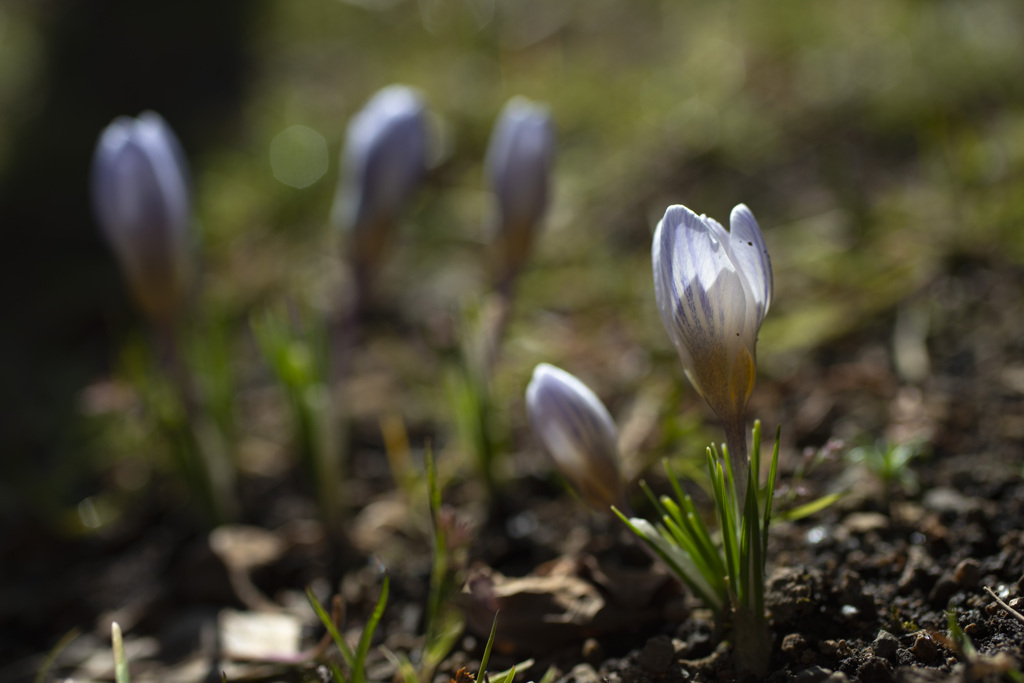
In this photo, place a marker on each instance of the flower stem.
(736, 443)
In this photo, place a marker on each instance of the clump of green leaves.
(890, 462)
(727, 574)
(355, 660)
(192, 419)
(297, 353)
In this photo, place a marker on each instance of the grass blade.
(359, 670)
(325, 619)
(770, 493)
(487, 651)
(120, 660)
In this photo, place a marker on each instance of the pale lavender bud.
(140, 195)
(713, 289)
(578, 434)
(384, 161)
(519, 161)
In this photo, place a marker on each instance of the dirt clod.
(874, 670)
(657, 654)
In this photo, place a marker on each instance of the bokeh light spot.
(298, 156)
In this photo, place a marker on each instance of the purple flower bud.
(713, 289)
(519, 161)
(578, 434)
(384, 160)
(140, 195)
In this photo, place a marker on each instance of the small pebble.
(860, 523)
(943, 590)
(967, 573)
(584, 673)
(926, 651)
(838, 649)
(813, 674)
(592, 651)
(885, 645)
(793, 645)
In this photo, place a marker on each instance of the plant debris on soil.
(859, 591)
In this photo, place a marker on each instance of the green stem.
(736, 443)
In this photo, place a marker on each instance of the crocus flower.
(578, 434)
(140, 195)
(713, 289)
(384, 160)
(519, 160)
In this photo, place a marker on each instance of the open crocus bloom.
(578, 434)
(713, 288)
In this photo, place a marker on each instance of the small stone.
(837, 677)
(926, 651)
(885, 646)
(657, 655)
(943, 590)
(860, 523)
(793, 645)
(592, 651)
(967, 573)
(813, 674)
(583, 673)
(948, 501)
(917, 572)
(838, 649)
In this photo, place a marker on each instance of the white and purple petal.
(751, 256)
(577, 432)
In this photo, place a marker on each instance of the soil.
(860, 591)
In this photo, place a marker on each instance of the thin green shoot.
(508, 675)
(297, 355)
(358, 672)
(487, 650)
(120, 660)
(549, 676)
(439, 566)
(406, 672)
(469, 397)
(332, 628)
(194, 441)
(53, 654)
(505, 676)
(810, 508)
(960, 639)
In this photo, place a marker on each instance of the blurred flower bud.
(578, 434)
(519, 161)
(713, 289)
(140, 195)
(384, 160)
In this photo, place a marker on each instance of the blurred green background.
(876, 141)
